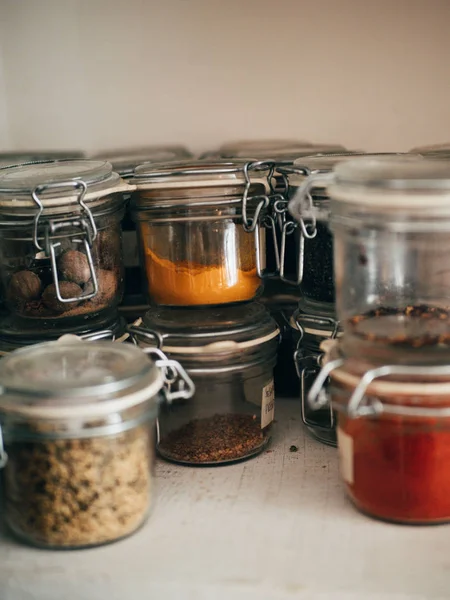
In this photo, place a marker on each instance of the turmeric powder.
(188, 284)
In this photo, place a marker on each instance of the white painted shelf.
(275, 527)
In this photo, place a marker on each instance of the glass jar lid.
(56, 185)
(8, 159)
(125, 162)
(76, 379)
(433, 149)
(362, 390)
(212, 330)
(244, 147)
(409, 183)
(198, 173)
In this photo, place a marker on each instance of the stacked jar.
(61, 270)
(389, 374)
(201, 228)
(315, 319)
(124, 161)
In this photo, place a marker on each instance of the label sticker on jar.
(345, 449)
(267, 404)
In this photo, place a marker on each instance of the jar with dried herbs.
(230, 354)
(201, 230)
(77, 422)
(60, 244)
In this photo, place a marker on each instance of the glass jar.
(199, 223)
(230, 353)
(306, 188)
(134, 302)
(76, 439)
(433, 151)
(8, 159)
(393, 436)
(245, 148)
(60, 245)
(391, 226)
(309, 332)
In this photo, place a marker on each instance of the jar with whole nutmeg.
(60, 245)
(76, 439)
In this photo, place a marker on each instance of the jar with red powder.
(393, 436)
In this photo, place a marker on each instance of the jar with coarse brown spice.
(230, 354)
(76, 439)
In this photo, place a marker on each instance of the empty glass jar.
(60, 245)
(200, 230)
(76, 439)
(230, 353)
(391, 223)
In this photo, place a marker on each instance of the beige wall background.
(105, 73)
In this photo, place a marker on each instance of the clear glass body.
(396, 467)
(77, 492)
(228, 419)
(320, 423)
(198, 257)
(27, 278)
(393, 288)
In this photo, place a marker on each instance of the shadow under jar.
(76, 446)
(201, 230)
(309, 332)
(307, 181)
(393, 436)
(60, 246)
(230, 353)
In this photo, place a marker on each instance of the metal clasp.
(87, 235)
(311, 364)
(251, 223)
(361, 406)
(177, 383)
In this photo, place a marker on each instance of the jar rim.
(76, 378)
(57, 185)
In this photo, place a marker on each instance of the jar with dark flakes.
(391, 223)
(230, 353)
(60, 245)
(76, 445)
(309, 332)
(311, 210)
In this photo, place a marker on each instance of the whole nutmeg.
(74, 266)
(24, 286)
(68, 289)
(107, 287)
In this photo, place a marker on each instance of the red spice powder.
(400, 467)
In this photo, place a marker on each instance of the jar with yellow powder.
(202, 230)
